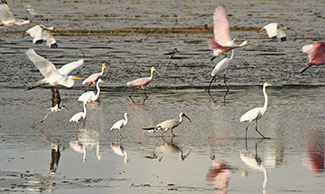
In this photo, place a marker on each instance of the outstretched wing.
(6, 15)
(66, 69)
(221, 27)
(48, 37)
(36, 33)
(315, 51)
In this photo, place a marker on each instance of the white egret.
(41, 33)
(120, 124)
(53, 76)
(8, 19)
(256, 113)
(276, 30)
(78, 116)
(90, 96)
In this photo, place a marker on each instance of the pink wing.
(315, 51)
(139, 82)
(221, 26)
(92, 78)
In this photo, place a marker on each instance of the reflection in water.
(315, 152)
(170, 147)
(55, 153)
(152, 155)
(86, 139)
(56, 101)
(119, 150)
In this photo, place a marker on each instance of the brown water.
(132, 36)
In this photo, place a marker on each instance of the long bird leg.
(46, 116)
(76, 130)
(134, 89)
(141, 137)
(163, 133)
(260, 132)
(144, 92)
(225, 80)
(171, 130)
(168, 60)
(213, 78)
(305, 68)
(247, 129)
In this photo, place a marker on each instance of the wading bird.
(222, 42)
(120, 124)
(53, 76)
(141, 82)
(94, 77)
(256, 113)
(276, 30)
(316, 54)
(221, 67)
(8, 19)
(78, 116)
(169, 124)
(56, 101)
(170, 55)
(41, 33)
(90, 96)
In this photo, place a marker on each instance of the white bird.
(219, 68)
(90, 96)
(169, 124)
(276, 30)
(41, 33)
(8, 19)
(120, 124)
(119, 150)
(53, 76)
(256, 113)
(78, 116)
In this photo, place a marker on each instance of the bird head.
(261, 30)
(267, 84)
(100, 80)
(53, 28)
(126, 114)
(153, 69)
(184, 115)
(32, 22)
(104, 66)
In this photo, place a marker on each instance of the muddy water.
(132, 36)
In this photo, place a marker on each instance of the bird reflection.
(315, 152)
(219, 174)
(152, 155)
(119, 150)
(86, 139)
(55, 154)
(56, 103)
(170, 147)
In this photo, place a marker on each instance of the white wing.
(221, 66)
(251, 115)
(118, 124)
(271, 29)
(6, 15)
(48, 36)
(86, 96)
(281, 33)
(36, 33)
(46, 67)
(66, 69)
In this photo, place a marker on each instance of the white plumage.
(121, 123)
(7, 18)
(90, 96)
(41, 33)
(275, 30)
(80, 115)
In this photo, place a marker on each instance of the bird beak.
(74, 77)
(157, 71)
(268, 85)
(212, 58)
(261, 30)
(104, 65)
(26, 34)
(32, 22)
(187, 118)
(101, 81)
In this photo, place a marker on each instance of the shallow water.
(132, 36)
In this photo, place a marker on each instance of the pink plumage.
(139, 82)
(316, 53)
(92, 79)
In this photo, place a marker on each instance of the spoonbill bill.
(92, 79)
(41, 33)
(141, 82)
(78, 116)
(90, 96)
(8, 19)
(256, 113)
(169, 124)
(53, 76)
(276, 30)
(222, 42)
(316, 54)
(120, 124)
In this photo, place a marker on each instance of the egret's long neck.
(151, 75)
(126, 120)
(98, 89)
(265, 100)
(232, 54)
(85, 110)
(125, 157)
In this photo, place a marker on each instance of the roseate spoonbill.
(41, 33)
(222, 42)
(170, 55)
(316, 54)
(119, 150)
(256, 113)
(94, 77)
(90, 96)
(276, 30)
(8, 19)
(141, 82)
(78, 116)
(120, 124)
(169, 124)
(53, 76)
(56, 101)
(221, 67)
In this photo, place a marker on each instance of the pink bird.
(316, 54)
(141, 82)
(222, 42)
(92, 79)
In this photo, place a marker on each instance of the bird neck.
(98, 89)
(103, 70)
(180, 118)
(265, 100)
(151, 75)
(85, 110)
(125, 157)
(232, 54)
(126, 120)
(23, 22)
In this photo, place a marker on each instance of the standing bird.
(169, 124)
(141, 82)
(8, 19)
(120, 124)
(276, 30)
(90, 96)
(256, 113)
(221, 67)
(316, 54)
(94, 77)
(222, 42)
(53, 76)
(56, 101)
(78, 116)
(41, 33)
(170, 55)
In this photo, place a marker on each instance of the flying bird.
(94, 77)
(90, 96)
(221, 67)
(41, 33)
(53, 76)
(222, 41)
(169, 124)
(316, 54)
(276, 30)
(56, 103)
(120, 124)
(141, 82)
(8, 19)
(256, 113)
